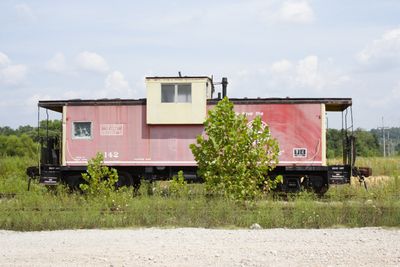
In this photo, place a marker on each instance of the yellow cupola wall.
(177, 100)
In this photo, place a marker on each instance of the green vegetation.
(54, 130)
(178, 186)
(392, 139)
(158, 205)
(21, 146)
(23, 141)
(13, 179)
(100, 180)
(178, 204)
(389, 166)
(233, 158)
(368, 143)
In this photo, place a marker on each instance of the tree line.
(391, 138)
(24, 141)
(368, 143)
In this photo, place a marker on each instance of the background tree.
(397, 149)
(334, 143)
(235, 158)
(367, 143)
(23, 141)
(20, 146)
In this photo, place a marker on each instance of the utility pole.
(389, 145)
(383, 137)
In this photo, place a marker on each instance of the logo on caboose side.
(299, 152)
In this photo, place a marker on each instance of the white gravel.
(202, 247)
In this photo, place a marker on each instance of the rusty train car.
(149, 138)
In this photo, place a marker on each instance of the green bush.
(178, 186)
(100, 180)
(234, 157)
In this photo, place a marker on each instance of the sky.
(56, 50)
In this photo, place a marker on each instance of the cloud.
(116, 81)
(303, 73)
(281, 66)
(4, 60)
(25, 12)
(391, 98)
(71, 94)
(117, 86)
(309, 76)
(396, 91)
(383, 51)
(92, 62)
(32, 101)
(296, 11)
(56, 63)
(11, 74)
(307, 73)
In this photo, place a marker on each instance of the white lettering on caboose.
(111, 129)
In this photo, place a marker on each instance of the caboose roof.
(177, 77)
(57, 105)
(331, 104)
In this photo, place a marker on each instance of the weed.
(178, 186)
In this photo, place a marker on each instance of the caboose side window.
(176, 93)
(167, 93)
(184, 93)
(82, 130)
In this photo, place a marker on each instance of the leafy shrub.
(234, 158)
(99, 178)
(178, 186)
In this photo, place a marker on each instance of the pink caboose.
(150, 138)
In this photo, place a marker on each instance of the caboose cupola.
(177, 100)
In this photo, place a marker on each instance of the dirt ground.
(202, 247)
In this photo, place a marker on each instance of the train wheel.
(320, 191)
(136, 182)
(124, 179)
(74, 181)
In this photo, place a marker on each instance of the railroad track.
(7, 195)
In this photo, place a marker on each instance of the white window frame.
(82, 137)
(176, 86)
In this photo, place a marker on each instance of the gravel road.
(202, 247)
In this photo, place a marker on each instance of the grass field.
(389, 166)
(154, 206)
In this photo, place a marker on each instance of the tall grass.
(157, 206)
(12, 174)
(50, 212)
(389, 166)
